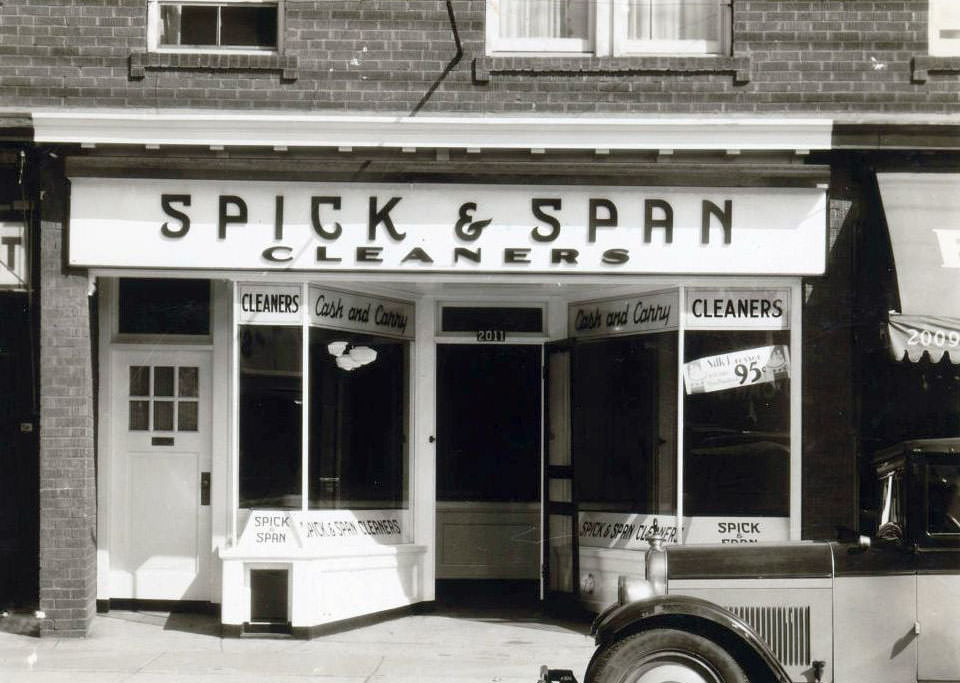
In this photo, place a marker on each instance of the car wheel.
(664, 656)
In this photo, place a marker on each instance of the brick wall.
(67, 476)
(400, 56)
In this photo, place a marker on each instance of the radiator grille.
(785, 629)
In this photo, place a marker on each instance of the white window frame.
(607, 36)
(154, 28)
(940, 22)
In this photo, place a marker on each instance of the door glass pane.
(271, 404)
(163, 416)
(163, 381)
(139, 380)
(187, 384)
(488, 422)
(187, 416)
(561, 491)
(139, 416)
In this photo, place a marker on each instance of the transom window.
(944, 29)
(608, 27)
(206, 25)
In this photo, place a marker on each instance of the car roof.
(949, 445)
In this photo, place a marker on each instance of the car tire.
(664, 655)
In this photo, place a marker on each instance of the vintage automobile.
(862, 609)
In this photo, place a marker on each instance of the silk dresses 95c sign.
(149, 223)
(737, 369)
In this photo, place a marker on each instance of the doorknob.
(204, 488)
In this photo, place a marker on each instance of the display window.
(323, 404)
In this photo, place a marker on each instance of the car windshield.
(943, 499)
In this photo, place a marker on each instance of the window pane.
(358, 454)
(170, 24)
(187, 382)
(187, 416)
(154, 306)
(163, 381)
(488, 422)
(163, 416)
(270, 416)
(737, 440)
(545, 19)
(624, 424)
(673, 20)
(472, 319)
(139, 380)
(198, 25)
(943, 496)
(248, 26)
(139, 416)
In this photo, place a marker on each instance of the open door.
(560, 563)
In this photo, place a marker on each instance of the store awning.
(923, 216)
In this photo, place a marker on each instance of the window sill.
(923, 65)
(287, 65)
(484, 68)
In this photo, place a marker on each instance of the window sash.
(155, 27)
(944, 28)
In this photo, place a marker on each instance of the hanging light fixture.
(356, 357)
(363, 355)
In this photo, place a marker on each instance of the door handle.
(204, 488)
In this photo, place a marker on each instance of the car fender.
(670, 610)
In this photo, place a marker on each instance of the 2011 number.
(491, 336)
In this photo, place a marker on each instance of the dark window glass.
(943, 499)
(154, 306)
(187, 384)
(139, 416)
(488, 422)
(198, 25)
(187, 416)
(472, 319)
(271, 402)
(248, 26)
(163, 416)
(357, 421)
(163, 380)
(624, 424)
(737, 440)
(139, 380)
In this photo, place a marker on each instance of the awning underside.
(923, 216)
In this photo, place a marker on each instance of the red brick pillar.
(68, 503)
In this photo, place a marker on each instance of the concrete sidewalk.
(462, 645)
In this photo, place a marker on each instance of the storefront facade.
(340, 392)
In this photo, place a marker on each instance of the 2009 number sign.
(491, 336)
(938, 338)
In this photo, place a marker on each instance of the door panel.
(160, 540)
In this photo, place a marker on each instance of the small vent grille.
(785, 629)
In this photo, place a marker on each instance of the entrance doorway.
(489, 433)
(159, 502)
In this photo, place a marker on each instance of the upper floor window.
(207, 25)
(944, 28)
(608, 27)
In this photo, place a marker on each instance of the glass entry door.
(560, 555)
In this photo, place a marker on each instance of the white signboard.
(654, 312)
(184, 223)
(737, 309)
(737, 369)
(358, 313)
(269, 304)
(631, 531)
(278, 532)
(13, 256)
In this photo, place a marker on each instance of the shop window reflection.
(270, 417)
(624, 422)
(737, 438)
(357, 421)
